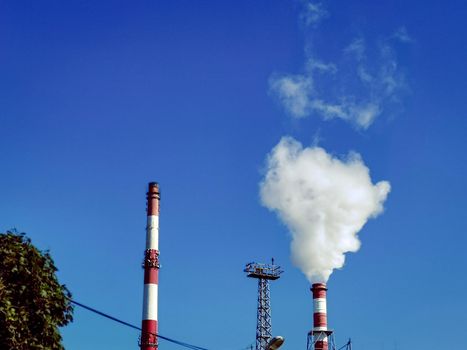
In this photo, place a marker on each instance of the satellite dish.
(275, 343)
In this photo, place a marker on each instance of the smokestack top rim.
(318, 286)
(153, 187)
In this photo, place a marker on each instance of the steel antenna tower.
(264, 273)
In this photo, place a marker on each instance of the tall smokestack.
(320, 324)
(151, 270)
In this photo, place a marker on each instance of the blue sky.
(98, 99)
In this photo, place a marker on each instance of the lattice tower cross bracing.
(264, 273)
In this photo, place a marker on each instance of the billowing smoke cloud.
(323, 200)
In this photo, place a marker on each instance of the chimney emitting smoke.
(320, 324)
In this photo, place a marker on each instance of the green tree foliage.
(33, 304)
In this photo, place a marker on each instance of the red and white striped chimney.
(151, 270)
(320, 324)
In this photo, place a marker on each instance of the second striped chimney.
(320, 323)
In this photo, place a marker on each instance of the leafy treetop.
(33, 304)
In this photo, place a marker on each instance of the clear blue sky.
(99, 98)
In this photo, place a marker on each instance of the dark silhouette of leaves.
(33, 304)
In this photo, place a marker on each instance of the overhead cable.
(178, 342)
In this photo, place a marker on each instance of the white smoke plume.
(358, 85)
(323, 200)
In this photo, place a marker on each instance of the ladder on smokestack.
(264, 273)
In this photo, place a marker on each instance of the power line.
(178, 342)
(100, 313)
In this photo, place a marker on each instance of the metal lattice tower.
(264, 273)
